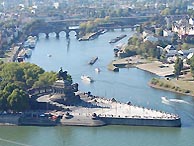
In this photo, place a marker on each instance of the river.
(126, 85)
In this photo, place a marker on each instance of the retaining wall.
(9, 119)
(142, 122)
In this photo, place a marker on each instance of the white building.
(167, 33)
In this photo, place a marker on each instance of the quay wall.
(142, 122)
(9, 119)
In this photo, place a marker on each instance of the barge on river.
(93, 60)
(117, 38)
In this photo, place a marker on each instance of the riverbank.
(183, 86)
(155, 67)
(11, 54)
(96, 111)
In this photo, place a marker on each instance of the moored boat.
(28, 53)
(31, 42)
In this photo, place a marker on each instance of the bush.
(161, 84)
(173, 87)
(177, 88)
(167, 86)
(154, 81)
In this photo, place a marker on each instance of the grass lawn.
(184, 85)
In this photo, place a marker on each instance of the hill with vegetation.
(17, 78)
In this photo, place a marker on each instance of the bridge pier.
(77, 34)
(67, 34)
(57, 35)
(47, 35)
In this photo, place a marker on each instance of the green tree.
(140, 29)
(185, 46)
(18, 100)
(46, 79)
(174, 39)
(192, 65)
(160, 32)
(3, 100)
(166, 11)
(178, 67)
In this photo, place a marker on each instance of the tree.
(160, 32)
(140, 29)
(192, 65)
(16, 78)
(3, 100)
(178, 67)
(174, 39)
(185, 46)
(166, 11)
(46, 79)
(18, 100)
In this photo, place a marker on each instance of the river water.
(126, 85)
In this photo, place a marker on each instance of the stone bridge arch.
(48, 27)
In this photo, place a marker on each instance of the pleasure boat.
(97, 70)
(28, 53)
(87, 78)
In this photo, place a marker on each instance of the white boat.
(49, 55)
(31, 41)
(97, 70)
(164, 99)
(87, 78)
(28, 53)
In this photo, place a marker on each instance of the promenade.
(99, 111)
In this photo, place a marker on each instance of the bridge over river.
(68, 25)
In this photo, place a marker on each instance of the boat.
(117, 38)
(31, 42)
(49, 55)
(97, 70)
(87, 78)
(21, 55)
(103, 31)
(28, 53)
(93, 60)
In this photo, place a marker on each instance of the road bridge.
(58, 26)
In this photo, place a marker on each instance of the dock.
(112, 67)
